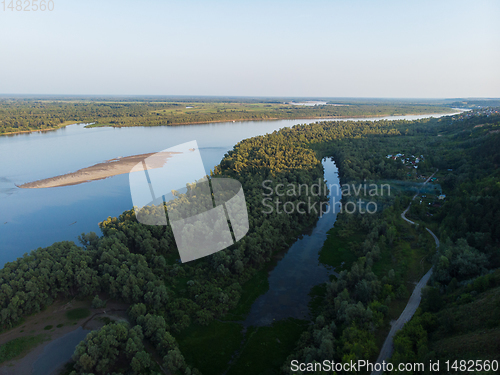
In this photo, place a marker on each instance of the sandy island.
(112, 167)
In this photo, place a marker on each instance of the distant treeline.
(29, 114)
(472, 103)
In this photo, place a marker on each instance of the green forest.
(186, 318)
(20, 115)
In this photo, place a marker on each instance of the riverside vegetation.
(20, 115)
(184, 317)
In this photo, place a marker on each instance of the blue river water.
(58, 352)
(32, 218)
(299, 270)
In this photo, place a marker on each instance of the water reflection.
(58, 352)
(293, 277)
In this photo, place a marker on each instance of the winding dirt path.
(413, 302)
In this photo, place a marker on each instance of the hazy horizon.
(195, 96)
(323, 49)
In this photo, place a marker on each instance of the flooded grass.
(209, 348)
(77, 314)
(19, 346)
(267, 348)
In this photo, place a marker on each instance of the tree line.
(17, 115)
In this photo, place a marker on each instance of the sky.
(351, 48)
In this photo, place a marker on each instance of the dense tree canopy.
(139, 264)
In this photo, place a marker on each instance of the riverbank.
(109, 168)
(248, 113)
(58, 320)
(62, 125)
(320, 118)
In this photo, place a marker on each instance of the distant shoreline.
(60, 126)
(109, 168)
(228, 120)
(271, 119)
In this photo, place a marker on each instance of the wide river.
(32, 218)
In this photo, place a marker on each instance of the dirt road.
(413, 302)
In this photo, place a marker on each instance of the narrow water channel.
(293, 277)
(58, 352)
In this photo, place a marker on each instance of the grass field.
(266, 348)
(77, 314)
(469, 330)
(337, 249)
(317, 294)
(253, 288)
(209, 348)
(19, 346)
